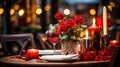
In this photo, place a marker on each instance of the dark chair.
(44, 43)
(21, 39)
(115, 61)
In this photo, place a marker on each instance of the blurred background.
(32, 16)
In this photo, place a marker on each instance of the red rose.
(109, 22)
(59, 15)
(70, 22)
(78, 19)
(89, 56)
(57, 31)
(63, 26)
(101, 52)
(99, 21)
(99, 58)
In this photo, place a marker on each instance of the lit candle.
(114, 43)
(104, 21)
(33, 53)
(94, 27)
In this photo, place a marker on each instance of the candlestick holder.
(87, 43)
(95, 39)
(105, 41)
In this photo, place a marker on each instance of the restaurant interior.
(32, 19)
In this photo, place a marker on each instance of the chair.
(42, 37)
(22, 39)
(115, 61)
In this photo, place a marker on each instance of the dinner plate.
(71, 57)
(49, 52)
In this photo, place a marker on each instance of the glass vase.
(69, 47)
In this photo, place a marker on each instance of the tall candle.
(104, 21)
(93, 27)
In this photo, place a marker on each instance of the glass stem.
(54, 48)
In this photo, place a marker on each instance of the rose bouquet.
(69, 29)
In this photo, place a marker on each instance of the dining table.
(12, 61)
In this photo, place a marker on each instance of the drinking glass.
(53, 38)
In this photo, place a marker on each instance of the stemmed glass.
(53, 38)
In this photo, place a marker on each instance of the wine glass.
(53, 38)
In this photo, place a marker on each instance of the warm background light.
(1, 11)
(66, 11)
(12, 11)
(110, 8)
(92, 11)
(112, 4)
(16, 7)
(21, 12)
(38, 11)
(47, 8)
(28, 19)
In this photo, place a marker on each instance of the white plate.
(49, 52)
(60, 57)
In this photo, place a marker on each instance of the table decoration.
(70, 57)
(53, 38)
(100, 55)
(29, 55)
(87, 41)
(95, 34)
(114, 43)
(69, 30)
(49, 52)
(99, 22)
(33, 53)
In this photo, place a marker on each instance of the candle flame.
(94, 25)
(114, 41)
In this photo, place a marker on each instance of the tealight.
(33, 53)
(114, 43)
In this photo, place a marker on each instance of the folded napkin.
(49, 52)
(60, 57)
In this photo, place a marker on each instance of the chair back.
(42, 37)
(22, 39)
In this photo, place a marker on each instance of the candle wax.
(91, 28)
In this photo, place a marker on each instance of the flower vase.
(69, 47)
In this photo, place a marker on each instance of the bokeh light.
(47, 8)
(28, 19)
(38, 11)
(66, 11)
(12, 11)
(1, 11)
(92, 11)
(21, 12)
(112, 4)
(16, 7)
(110, 8)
